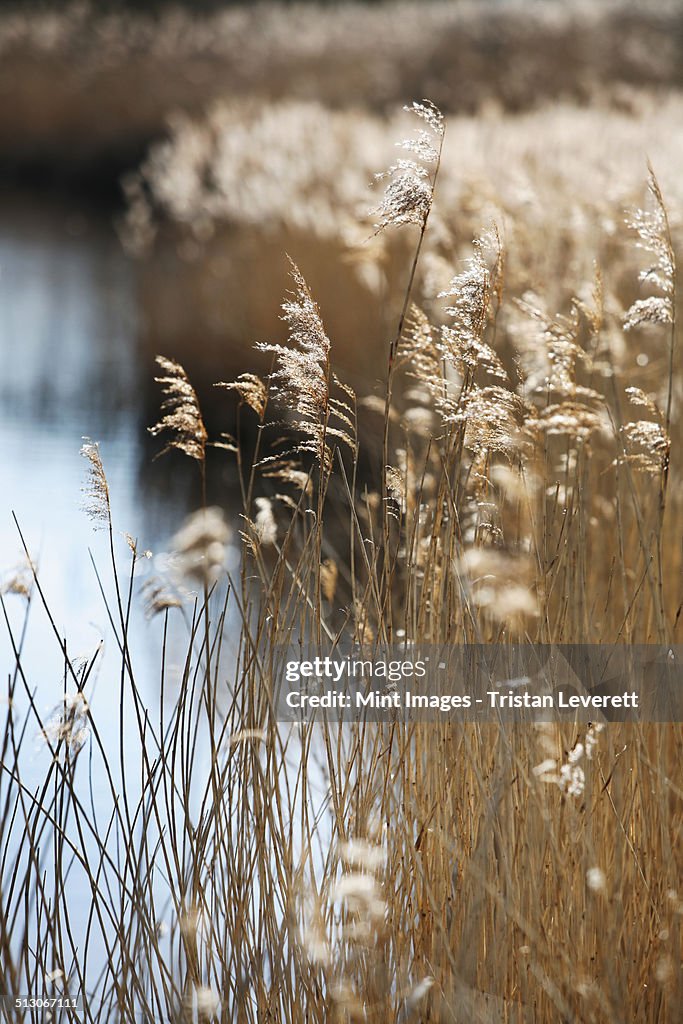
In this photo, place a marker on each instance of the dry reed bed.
(80, 87)
(381, 873)
(216, 206)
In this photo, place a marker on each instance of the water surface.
(70, 368)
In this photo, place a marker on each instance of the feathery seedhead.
(557, 342)
(430, 114)
(419, 350)
(68, 724)
(418, 993)
(265, 526)
(199, 546)
(361, 894)
(656, 309)
(287, 470)
(497, 421)
(300, 380)
(499, 583)
(302, 376)
(570, 777)
(652, 227)
(637, 396)
(262, 530)
(208, 1003)
(596, 879)
(576, 411)
(182, 417)
(251, 390)
(19, 579)
(648, 446)
(653, 230)
(96, 491)
(409, 192)
(573, 419)
(407, 196)
(462, 343)
(430, 352)
(329, 574)
(159, 597)
(312, 929)
(647, 442)
(396, 486)
(365, 856)
(302, 316)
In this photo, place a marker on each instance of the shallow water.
(70, 367)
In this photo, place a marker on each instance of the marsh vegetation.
(480, 444)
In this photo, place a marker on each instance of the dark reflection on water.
(67, 316)
(69, 368)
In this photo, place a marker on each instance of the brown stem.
(393, 351)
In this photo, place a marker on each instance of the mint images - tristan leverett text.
(383, 699)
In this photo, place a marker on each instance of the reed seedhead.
(446, 360)
(182, 418)
(199, 547)
(287, 470)
(596, 880)
(251, 389)
(329, 576)
(208, 1003)
(409, 191)
(96, 501)
(158, 597)
(647, 446)
(302, 378)
(67, 727)
(19, 579)
(265, 524)
(500, 584)
(654, 237)
(470, 293)
(648, 442)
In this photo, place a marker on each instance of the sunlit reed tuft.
(182, 418)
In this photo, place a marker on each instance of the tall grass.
(231, 867)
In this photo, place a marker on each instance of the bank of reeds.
(214, 222)
(85, 87)
(228, 866)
